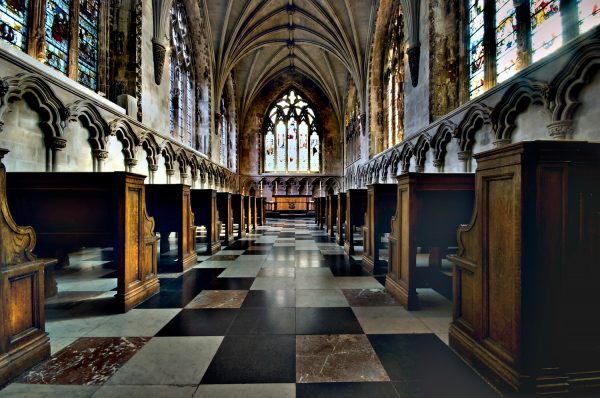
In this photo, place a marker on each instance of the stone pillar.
(99, 156)
(152, 168)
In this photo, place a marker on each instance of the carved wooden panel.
(204, 206)
(224, 207)
(381, 206)
(238, 210)
(170, 205)
(429, 208)
(332, 214)
(525, 311)
(356, 205)
(341, 218)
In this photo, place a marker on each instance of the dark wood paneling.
(381, 206)
(204, 206)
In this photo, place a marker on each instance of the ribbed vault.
(324, 40)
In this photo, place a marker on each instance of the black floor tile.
(223, 257)
(205, 322)
(347, 390)
(270, 298)
(231, 284)
(422, 364)
(253, 359)
(326, 321)
(167, 299)
(264, 321)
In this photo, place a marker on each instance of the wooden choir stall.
(238, 212)
(204, 206)
(170, 205)
(429, 208)
(356, 205)
(381, 206)
(250, 212)
(341, 218)
(527, 269)
(224, 207)
(331, 214)
(23, 340)
(74, 210)
(260, 211)
(317, 202)
(322, 212)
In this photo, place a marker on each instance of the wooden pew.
(249, 213)
(23, 340)
(317, 207)
(381, 206)
(322, 212)
(204, 206)
(226, 216)
(356, 205)
(238, 210)
(528, 268)
(254, 212)
(170, 206)
(429, 208)
(332, 214)
(260, 211)
(341, 218)
(74, 210)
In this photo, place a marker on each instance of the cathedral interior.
(299, 198)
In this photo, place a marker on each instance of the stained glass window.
(189, 96)
(315, 151)
(546, 27)
(270, 150)
(182, 105)
(589, 14)
(87, 65)
(13, 22)
(506, 40)
(57, 34)
(303, 143)
(476, 48)
(291, 141)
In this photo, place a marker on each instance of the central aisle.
(282, 313)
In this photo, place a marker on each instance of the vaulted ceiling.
(324, 40)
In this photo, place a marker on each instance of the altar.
(290, 204)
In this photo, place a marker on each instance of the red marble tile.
(87, 361)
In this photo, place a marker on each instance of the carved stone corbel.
(561, 129)
(161, 11)
(414, 55)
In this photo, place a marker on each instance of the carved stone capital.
(100, 154)
(4, 87)
(561, 129)
(159, 50)
(170, 172)
(464, 155)
(183, 175)
(153, 168)
(131, 162)
(501, 142)
(414, 55)
(57, 143)
(419, 169)
(437, 163)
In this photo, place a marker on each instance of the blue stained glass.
(546, 27)
(506, 40)
(57, 34)
(589, 14)
(476, 48)
(87, 67)
(13, 22)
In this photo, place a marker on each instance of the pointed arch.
(440, 141)
(476, 117)
(98, 129)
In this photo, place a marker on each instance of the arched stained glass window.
(87, 62)
(13, 22)
(546, 28)
(291, 141)
(589, 14)
(183, 101)
(476, 48)
(506, 40)
(57, 34)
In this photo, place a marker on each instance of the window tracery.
(394, 80)
(183, 101)
(291, 139)
(521, 33)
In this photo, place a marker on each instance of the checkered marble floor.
(281, 313)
